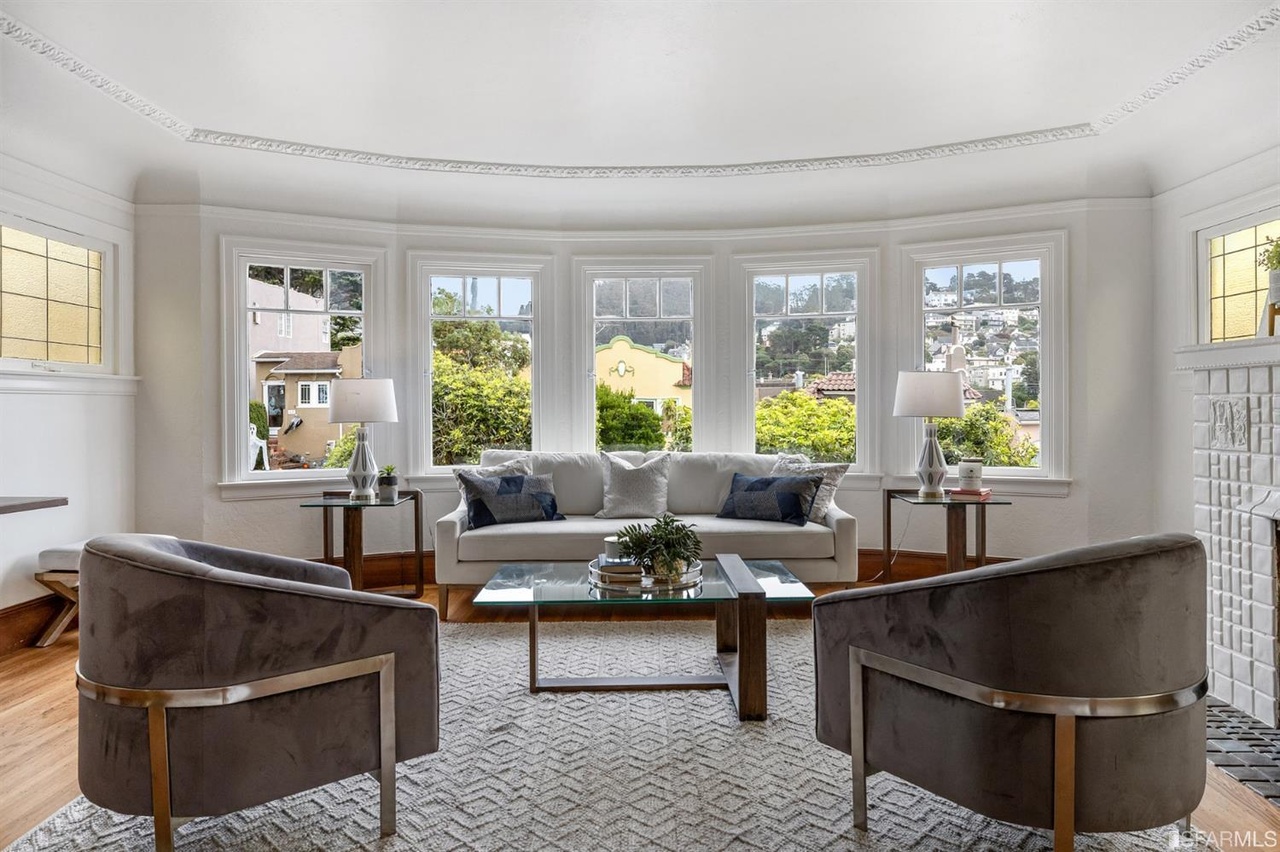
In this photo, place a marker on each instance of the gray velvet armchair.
(215, 679)
(1064, 691)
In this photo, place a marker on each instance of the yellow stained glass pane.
(12, 347)
(1234, 241)
(71, 354)
(95, 288)
(68, 252)
(1215, 277)
(1215, 320)
(22, 316)
(1240, 272)
(68, 283)
(23, 273)
(95, 355)
(1215, 246)
(95, 327)
(1270, 230)
(1241, 316)
(68, 324)
(95, 260)
(13, 238)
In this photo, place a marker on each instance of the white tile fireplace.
(1236, 471)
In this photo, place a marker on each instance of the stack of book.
(974, 493)
(616, 566)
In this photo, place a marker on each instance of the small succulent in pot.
(388, 484)
(666, 548)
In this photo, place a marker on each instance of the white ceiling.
(639, 84)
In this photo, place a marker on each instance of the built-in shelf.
(8, 505)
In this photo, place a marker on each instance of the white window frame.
(111, 357)
(237, 253)
(284, 324)
(701, 270)
(1203, 236)
(865, 262)
(419, 267)
(1050, 248)
(313, 390)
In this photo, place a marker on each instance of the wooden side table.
(957, 526)
(353, 535)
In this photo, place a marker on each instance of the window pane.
(638, 361)
(980, 284)
(1241, 273)
(69, 324)
(304, 393)
(13, 347)
(806, 387)
(446, 295)
(1216, 276)
(482, 296)
(940, 287)
(481, 394)
(13, 238)
(23, 317)
(642, 297)
(611, 297)
(1020, 282)
(322, 393)
(306, 289)
(1240, 315)
(677, 297)
(804, 294)
(771, 294)
(346, 290)
(1268, 231)
(517, 297)
(265, 286)
(1238, 240)
(68, 283)
(23, 273)
(839, 292)
(69, 254)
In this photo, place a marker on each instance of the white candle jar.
(970, 473)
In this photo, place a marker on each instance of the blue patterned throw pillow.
(514, 499)
(771, 498)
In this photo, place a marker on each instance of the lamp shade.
(362, 401)
(929, 395)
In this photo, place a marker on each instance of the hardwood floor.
(38, 734)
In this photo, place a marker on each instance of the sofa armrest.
(845, 527)
(448, 528)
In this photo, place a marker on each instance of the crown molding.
(51, 52)
(410, 230)
(25, 36)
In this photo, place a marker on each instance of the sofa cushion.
(771, 498)
(511, 499)
(790, 464)
(579, 477)
(581, 539)
(699, 482)
(634, 491)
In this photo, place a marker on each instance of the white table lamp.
(930, 395)
(362, 401)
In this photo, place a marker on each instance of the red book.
(980, 493)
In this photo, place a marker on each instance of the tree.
(677, 425)
(477, 343)
(623, 422)
(985, 432)
(258, 417)
(344, 331)
(340, 455)
(474, 408)
(1027, 389)
(794, 421)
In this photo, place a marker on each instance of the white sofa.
(697, 486)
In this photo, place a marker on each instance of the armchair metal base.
(158, 701)
(1065, 710)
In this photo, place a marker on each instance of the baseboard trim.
(22, 623)
(910, 564)
(393, 569)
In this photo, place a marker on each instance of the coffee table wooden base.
(740, 647)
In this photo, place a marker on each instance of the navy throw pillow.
(514, 499)
(771, 498)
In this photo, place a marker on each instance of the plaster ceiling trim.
(1242, 37)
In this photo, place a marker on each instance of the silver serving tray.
(620, 578)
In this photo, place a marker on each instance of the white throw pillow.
(789, 464)
(635, 492)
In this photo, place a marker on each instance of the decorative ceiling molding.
(1245, 35)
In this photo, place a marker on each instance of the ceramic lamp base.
(932, 469)
(362, 473)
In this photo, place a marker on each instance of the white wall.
(65, 434)
(1246, 187)
(1110, 333)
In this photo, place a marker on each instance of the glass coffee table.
(738, 589)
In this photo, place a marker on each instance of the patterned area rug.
(602, 771)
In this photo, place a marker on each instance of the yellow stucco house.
(654, 377)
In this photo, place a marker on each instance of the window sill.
(1251, 352)
(283, 488)
(67, 382)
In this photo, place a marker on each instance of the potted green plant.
(665, 549)
(388, 484)
(1269, 259)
